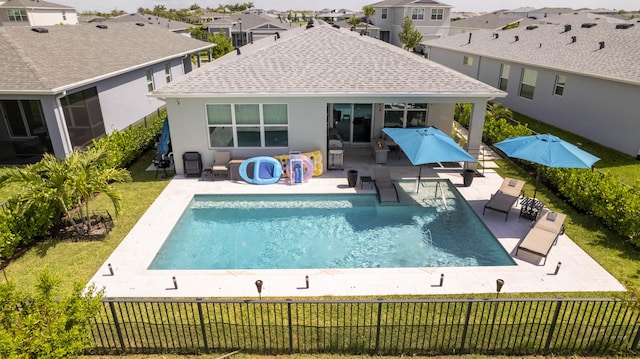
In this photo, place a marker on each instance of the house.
(545, 12)
(429, 17)
(178, 27)
(35, 13)
(492, 21)
(246, 28)
(289, 93)
(62, 86)
(581, 74)
(361, 28)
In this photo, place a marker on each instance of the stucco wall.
(52, 17)
(124, 99)
(606, 112)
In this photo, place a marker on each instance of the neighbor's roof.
(31, 4)
(249, 21)
(490, 21)
(416, 3)
(324, 61)
(70, 56)
(550, 46)
(161, 22)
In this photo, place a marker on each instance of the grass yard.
(78, 261)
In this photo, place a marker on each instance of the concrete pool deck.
(129, 261)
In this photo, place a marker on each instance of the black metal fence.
(489, 326)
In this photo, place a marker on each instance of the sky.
(459, 5)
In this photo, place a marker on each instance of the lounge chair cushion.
(550, 221)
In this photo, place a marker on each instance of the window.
(437, 14)
(167, 72)
(405, 115)
(83, 116)
(528, 83)
(559, 87)
(384, 13)
(248, 125)
(23, 117)
(150, 85)
(17, 15)
(64, 15)
(417, 14)
(467, 61)
(504, 77)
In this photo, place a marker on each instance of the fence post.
(290, 327)
(204, 332)
(636, 339)
(378, 324)
(466, 325)
(553, 326)
(117, 325)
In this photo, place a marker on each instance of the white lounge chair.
(505, 197)
(544, 234)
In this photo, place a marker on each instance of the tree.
(353, 21)
(223, 45)
(41, 327)
(368, 12)
(409, 36)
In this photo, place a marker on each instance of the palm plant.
(368, 12)
(354, 21)
(497, 110)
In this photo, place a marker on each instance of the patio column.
(474, 140)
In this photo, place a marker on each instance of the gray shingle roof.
(151, 20)
(487, 21)
(22, 4)
(324, 61)
(249, 21)
(549, 46)
(71, 55)
(414, 3)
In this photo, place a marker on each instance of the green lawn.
(78, 261)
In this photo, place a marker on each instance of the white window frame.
(406, 109)
(167, 73)
(17, 15)
(505, 69)
(417, 14)
(384, 13)
(532, 84)
(234, 125)
(467, 60)
(150, 83)
(558, 87)
(437, 14)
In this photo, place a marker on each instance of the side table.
(530, 208)
(366, 179)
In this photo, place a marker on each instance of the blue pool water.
(327, 231)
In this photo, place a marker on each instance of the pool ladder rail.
(428, 237)
(444, 199)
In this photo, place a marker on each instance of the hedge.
(22, 223)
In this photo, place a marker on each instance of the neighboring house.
(361, 28)
(582, 75)
(493, 21)
(521, 11)
(35, 13)
(289, 93)
(178, 27)
(246, 28)
(62, 86)
(429, 17)
(546, 12)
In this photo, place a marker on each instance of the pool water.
(329, 231)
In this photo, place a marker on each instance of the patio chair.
(192, 163)
(512, 187)
(221, 163)
(505, 197)
(544, 234)
(387, 191)
(162, 162)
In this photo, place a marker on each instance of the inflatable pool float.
(315, 157)
(300, 169)
(266, 170)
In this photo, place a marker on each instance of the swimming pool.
(328, 231)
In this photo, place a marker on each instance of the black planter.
(467, 176)
(352, 178)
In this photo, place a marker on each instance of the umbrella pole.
(535, 189)
(418, 181)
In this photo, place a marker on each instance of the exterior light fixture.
(499, 284)
(259, 287)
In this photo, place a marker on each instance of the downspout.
(62, 125)
(478, 70)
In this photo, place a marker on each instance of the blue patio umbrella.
(165, 138)
(546, 150)
(427, 145)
